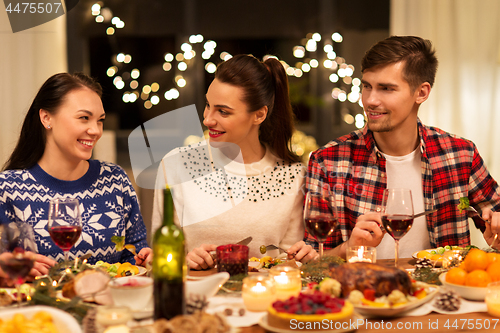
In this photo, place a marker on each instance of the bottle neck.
(168, 207)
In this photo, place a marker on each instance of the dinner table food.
(91, 286)
(361, 276)
(314, 311)
(37, 319)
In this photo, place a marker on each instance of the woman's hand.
(144, 257)
(200, 257)
(302, 252)
(367, 231)
(41, 266)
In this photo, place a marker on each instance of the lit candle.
(361, 254)
(258, 292)
(492, 298)
(287, 281)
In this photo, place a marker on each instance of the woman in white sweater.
(246, 181)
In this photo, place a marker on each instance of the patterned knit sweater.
(108, 205)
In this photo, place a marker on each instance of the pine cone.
(423, 262)
(447, 300)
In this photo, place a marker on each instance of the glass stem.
(397, 253)
(320, 250)
(18, 296)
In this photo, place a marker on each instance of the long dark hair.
(31, 144)
(264, 84)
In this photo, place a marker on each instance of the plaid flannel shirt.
(452, 168)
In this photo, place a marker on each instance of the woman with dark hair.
(52, 159)
(255, 191)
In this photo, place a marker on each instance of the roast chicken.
(362, 275)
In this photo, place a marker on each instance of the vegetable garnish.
(119, 241)
(464, 204)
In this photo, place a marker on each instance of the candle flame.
(259, 288)
(361, 250)
(169, 257)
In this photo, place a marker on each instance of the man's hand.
(493, 228)
(200, 257)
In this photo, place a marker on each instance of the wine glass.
(65, 223)
(320, 215)
(397, 214)
(17, 248)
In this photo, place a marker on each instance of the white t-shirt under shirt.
(406, 172)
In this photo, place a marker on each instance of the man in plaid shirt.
(395, 150)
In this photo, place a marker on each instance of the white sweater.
(262, 199)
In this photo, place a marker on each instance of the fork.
(274, 247)
(472, 209)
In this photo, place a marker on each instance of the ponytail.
(278, 128)
(264, 84)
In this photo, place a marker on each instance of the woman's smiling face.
(227, 116)
(76, 126)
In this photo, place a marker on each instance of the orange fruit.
(476, 259)
(492, 257)
(494, 271)
(424, 254)
(437, 257)
(456, 275)
(477, 278)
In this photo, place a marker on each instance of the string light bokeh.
(312, 52)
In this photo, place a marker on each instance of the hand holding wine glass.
(397, 214)
(320, 215)
(65, 223)
(17, 248)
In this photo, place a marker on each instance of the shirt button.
(382, 174)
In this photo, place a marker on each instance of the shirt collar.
(376, 153)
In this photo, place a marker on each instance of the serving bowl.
(470, 293)
(132, 291)
(206, 286)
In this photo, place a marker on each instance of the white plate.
(471, 293)
(264, 324)
(62, 320)
(371, 311)
(436, 263)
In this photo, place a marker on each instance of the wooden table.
(433, 322)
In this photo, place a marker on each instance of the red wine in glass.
(397, 215)
(65, 236)
(397, 225)
(321, 227)
(18, 268)
(17, 245)
(65, 223)
(320, 215)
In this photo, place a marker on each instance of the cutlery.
(244, 241)
(274, 247)
(473, 210)
(424, 213)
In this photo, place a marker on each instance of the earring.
(48, 126)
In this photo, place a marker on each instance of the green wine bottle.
(169, 264)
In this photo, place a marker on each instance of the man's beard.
(380, 126)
